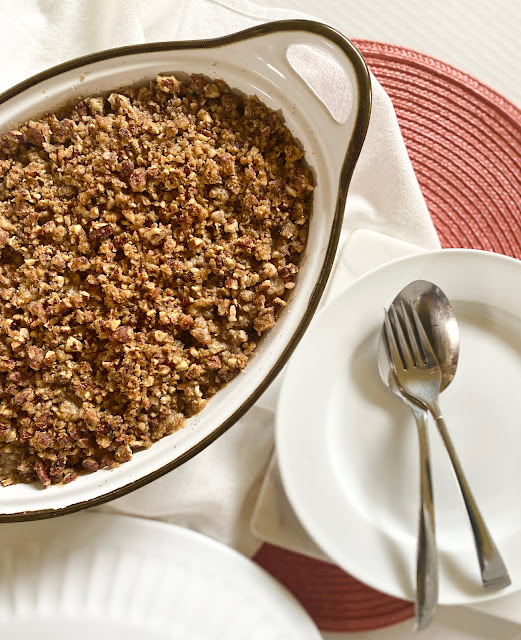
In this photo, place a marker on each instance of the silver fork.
(419, 374)
(426, 597)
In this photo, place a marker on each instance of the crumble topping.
(147, 240)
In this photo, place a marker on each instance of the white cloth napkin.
(215, 492)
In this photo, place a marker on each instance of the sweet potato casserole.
(148, 239)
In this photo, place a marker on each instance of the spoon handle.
(494, 574)
(427, 555)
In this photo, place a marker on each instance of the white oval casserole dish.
(270, 61)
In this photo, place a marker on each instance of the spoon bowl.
(439, 321)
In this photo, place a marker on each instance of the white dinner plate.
(347, 447)
(105, 576)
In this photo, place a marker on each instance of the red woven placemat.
(464, 141)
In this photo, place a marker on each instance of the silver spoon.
(436, 313)
(494, 574)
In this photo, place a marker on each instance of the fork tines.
(411, 347)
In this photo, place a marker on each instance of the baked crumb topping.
(147, 241)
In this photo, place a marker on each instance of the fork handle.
(494, 574)
(427, 555)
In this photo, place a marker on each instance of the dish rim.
(353, 150)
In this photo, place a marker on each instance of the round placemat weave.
(464, 141)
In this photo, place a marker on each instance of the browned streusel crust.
(147, 240)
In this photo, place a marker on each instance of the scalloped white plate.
(96, 575)
(348, 448)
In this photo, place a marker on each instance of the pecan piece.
(35, 357)
(138, 179)
(42, 473)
